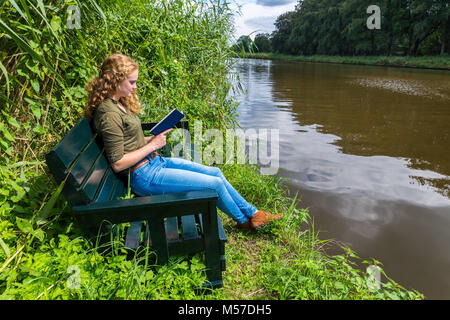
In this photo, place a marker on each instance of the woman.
(113, 106)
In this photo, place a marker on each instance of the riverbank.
(427, 62)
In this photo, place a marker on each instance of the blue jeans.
(171, 175)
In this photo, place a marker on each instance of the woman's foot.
(259, 219)
(262, 218)
(245, 225)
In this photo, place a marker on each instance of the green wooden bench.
(171, 224)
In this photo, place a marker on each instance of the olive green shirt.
(121, 131)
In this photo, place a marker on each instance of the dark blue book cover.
(168, 122)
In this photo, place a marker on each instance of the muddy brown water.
(368, 151)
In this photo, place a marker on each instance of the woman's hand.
(159, 140)
(131, 158)
(148, 139)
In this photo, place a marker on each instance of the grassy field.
(285, 260)
(426, 62)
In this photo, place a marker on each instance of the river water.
(368, 151)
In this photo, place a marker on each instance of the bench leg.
(212, 246)
(159, 241)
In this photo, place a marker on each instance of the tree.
(262, 43)
(329, 35)
(428, 14)
(243, 44)
(445, 38)
(339, 27)
(283, 28)
(305, 28)
(419, 20)
(359, 39)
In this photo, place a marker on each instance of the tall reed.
(184, 57)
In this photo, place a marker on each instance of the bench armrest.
(143, 208)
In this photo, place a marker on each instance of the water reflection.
(409, 87)
(367, 149)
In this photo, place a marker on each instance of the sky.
(258, 16)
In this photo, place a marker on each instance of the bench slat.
(133, 235)
(106, 186)
(222, 235)
(147, 238)
(172, 229)
(74, 142)
(84, 163)
(189, 227)
(118, 190)
(95, 179)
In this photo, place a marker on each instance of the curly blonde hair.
(114, 69)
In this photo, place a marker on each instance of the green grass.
(426, 62)
(285, 260)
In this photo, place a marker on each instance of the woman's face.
(128, 85)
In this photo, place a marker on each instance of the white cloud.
(258, 18)
(274, 3)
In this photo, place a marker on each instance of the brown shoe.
(262, 218)
(245, 225)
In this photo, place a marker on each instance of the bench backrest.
(80, 158)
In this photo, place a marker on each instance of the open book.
(167, 122)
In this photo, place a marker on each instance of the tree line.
(339, 27)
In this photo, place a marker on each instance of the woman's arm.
(131, 158)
